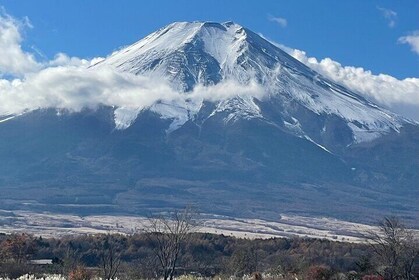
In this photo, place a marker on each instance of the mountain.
(206, 53)
(281, 139)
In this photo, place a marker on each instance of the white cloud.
(279, 20)
(397, 95)
(389, 15)
(13, 60)
(76, 87)
(412, 40)
(400, 96)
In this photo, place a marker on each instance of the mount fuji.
(188, 54)
(255, 133)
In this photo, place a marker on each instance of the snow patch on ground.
(124, 117)
(49, 225)
(238, 108)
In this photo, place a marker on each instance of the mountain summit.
(201, 52)
(253, 133)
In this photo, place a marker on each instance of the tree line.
(170, 247)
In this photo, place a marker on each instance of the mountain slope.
(299, 143)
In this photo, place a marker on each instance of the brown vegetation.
(391, 254)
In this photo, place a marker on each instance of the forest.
(171, 249)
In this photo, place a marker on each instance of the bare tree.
(18, 247)
(109, 251)
(396, 249)
(168, 233)
(71, 258)
(244, 261)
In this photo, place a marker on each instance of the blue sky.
(356, 33)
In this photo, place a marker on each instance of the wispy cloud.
(74, 88)
(412, 40)
(389, 15)
(279, 20)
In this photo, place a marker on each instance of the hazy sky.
(370, 34)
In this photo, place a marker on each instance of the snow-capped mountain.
(205, 53)
(253, 133)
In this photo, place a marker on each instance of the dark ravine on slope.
(289, 156)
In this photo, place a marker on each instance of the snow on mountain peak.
(187, 54)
